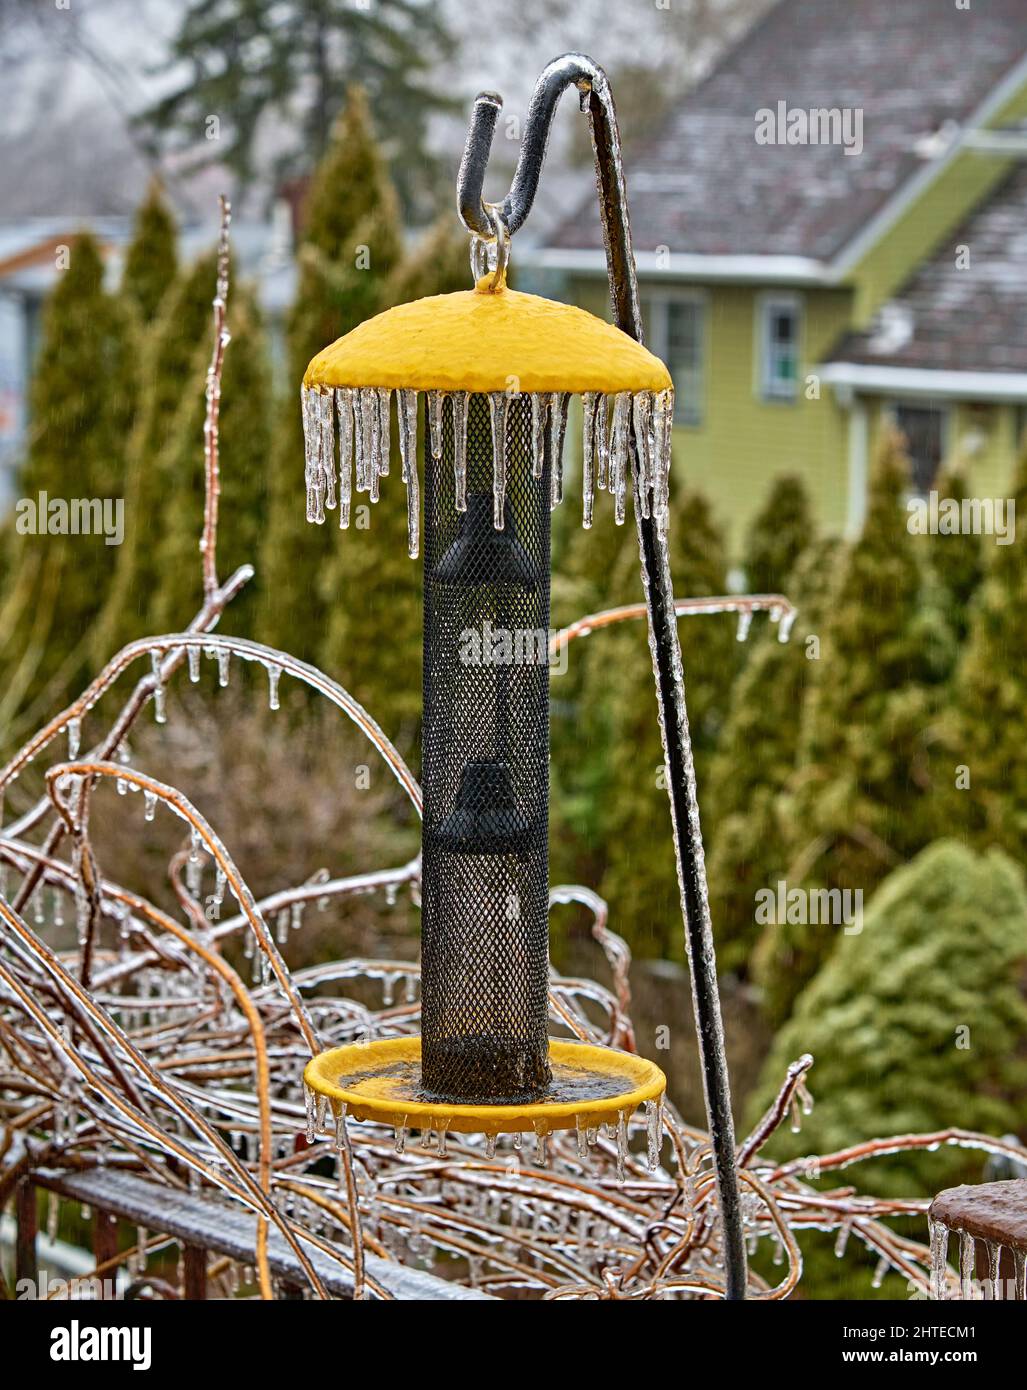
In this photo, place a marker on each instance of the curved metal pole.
(575, 69)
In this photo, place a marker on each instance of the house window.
(780, 324)
(924, 430)
(676, 331)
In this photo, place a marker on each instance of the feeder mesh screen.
(485, 935)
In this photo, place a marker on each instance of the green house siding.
(744, 440)
(934, 215)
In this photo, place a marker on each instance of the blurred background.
(845, 318)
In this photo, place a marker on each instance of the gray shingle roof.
(704, 186)
(971, 318)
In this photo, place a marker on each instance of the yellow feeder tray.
(380, 1081)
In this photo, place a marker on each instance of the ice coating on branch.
(499, 408)
(344, 410)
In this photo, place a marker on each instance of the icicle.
(663, 430)
(309, 1102)
(641, 411)
(373, 425)
(344, 410)
(499, 407)
(149, 805)
(967, 1265)
(159, 703)
(1019, 1274)
(340, 1125)
(991, 1291)
(434, 408)
(282, 928)
(602, 438)
(589, 404)
(193, 657)
(312, 455)
(460, 449)
(785, 629)
(384, 430)
(541, 1146)
(274, 675)
(622, 1144)
(326, 413)
(619, 455)
(442, 1141)
(581, 1133)
(220, 879)
(491, 1140)
(538, 434)
(406, 407)
(744, 624)
(401, 1136)
(74, 738)
(224, 657)
(557, 430)
(653, 1132)
(841, 1240)
(939, 1238)
(881, 1269)
(361, 439)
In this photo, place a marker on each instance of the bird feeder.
(488, 374)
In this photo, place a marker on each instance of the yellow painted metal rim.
(643, 1081)
(487, 342)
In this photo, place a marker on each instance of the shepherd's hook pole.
(577, 70)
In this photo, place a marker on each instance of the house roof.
(703, 186)
(959, 312)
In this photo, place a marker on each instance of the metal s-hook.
(577, 70)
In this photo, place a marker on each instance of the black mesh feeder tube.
(484, 935)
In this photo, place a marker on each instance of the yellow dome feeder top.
(504, 346)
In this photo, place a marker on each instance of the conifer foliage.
(150, 262)
(81, 407)
(778, 535)
(917, 1022)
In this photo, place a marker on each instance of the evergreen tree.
(351, 250)
(169, 383)
(152, 256)
(244, 446)
(640, 880)
(917, 1022)
(957, 560)
(986, 763)
(755, 760)
(81, 402)
(248, 61)
(861, 801)
(779, 533)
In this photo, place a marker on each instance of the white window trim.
(774, 299)
(658, 302)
